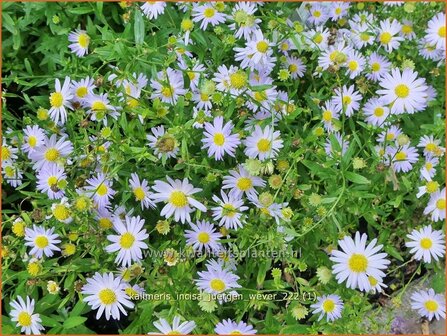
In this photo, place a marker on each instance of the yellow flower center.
(204, 97)
(178, 199)
(235, 332)
(19, 229)
(6, 153)
(139, 193)
(406, 29)
(209, 12)
(426, 243)
(327, 115)
(385, 38)
(56, 99)
(364, 37)
(402, 91)
(98, 106)
(83, 40)
(260, 96)
(217, 285)
(52, 180)
(32, 141)
(238, 80)
(187, 24)
(34, 268)
(127, 240)
(9, 171)
(167, 91)
(379, 112)
(174, 332)
(338, 10)
(432, 186)
(333, 55)
(203, 237)
(317, 13)
(431, 147)
(328, 306)
(318, 38)
(219, 139)
(390, 136)
(81, 91)
(431, 305)
(61, 212)
(373, 281)
(347, 100)
(229, 210)
(41, 241)
(24, 319)
(440, 204)
(375, 67)
(441, 31)
(353, 65)
(105, 223)
(52, 154)
(107, 296)
(244, 183)
(263, 145)
(400, 156)
(262, 46)
(358, 263)
(293, 68)
(102, 189)
(428, 165)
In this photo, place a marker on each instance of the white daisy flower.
(80, 41)
(376, 111)
(80, 90)
(245, 23)
(436, 206)
(296, 67)
(104, 218)
(219, 140)
(355, 63)
(9, 153)
(378, 66)
(407, 30)
(177, 328)
(262, 100)
(404, 91)
(347, 100)
(318, 14)
(168, 86)
(203, 236)
(436, 31)
(357, 261)
(402, 158)
(430, 145)
(129, 241)
(99, 187)
(230, 79)
(333, 55)
(207, 14)
(329, 114)
(51, 152)
(329, 305)
(268, 207)
(141, 191)
(195, 75)
(317, 38)
(177, 195)
(361, 34)
(202, 100)
(98, 106)
(59, 101)
(256, 53)
(377, 285)
(429, 52)
(12, 174)
(426, 244)
(23, 313)
(216, 280)
(430, 187)
(390, 134)
(43, 241)
(428, 170)
(152, 9)
(52, 180)
(230, 327)
(241, 182)
(229, 210)
(263, 143)
(163, 143)
(388, 34)
(428, 304)
(338, 10)
(33, 137)
(107, 294)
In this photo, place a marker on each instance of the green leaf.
(73, 321)
(138, 28)
(356, 178)
(391, 250)
(438, 282)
